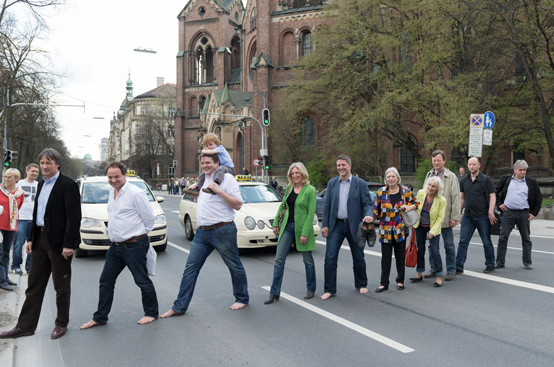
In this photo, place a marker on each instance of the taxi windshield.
(259, 194)
(98, 192)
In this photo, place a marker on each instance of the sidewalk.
(8, 317)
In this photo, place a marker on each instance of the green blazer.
(304, 212)
(436, 214)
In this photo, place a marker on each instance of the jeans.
(23, 230)
(466, 232)
(435, 260)
(224, 240)
(509, 219)
(449, 249)
(283, 247)
(132, 255)
(334, 242)
(5, 247)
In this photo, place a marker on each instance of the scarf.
(12, 199)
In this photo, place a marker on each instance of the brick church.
(232, 61)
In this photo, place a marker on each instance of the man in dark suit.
(347, 203)
(53, 238)
(520, 199)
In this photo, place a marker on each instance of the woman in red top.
(11, 199)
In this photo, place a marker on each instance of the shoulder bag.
(411, 252)
(409, 218)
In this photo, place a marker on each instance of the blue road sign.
(489, 120)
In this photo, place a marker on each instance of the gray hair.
(393, 170)
(439, 183)
(52, 155)
(520, 163)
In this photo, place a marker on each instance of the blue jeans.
(283, 247)
(435, 261)
(224, 240)
(132, 255)
(23, 230)
(334, 242)
(466, 232)
(449, 249)
(5, 248)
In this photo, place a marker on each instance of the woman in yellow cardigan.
(297, 227)
(431, 209)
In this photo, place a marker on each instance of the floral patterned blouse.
(389, 215)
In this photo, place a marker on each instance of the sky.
(92, 42)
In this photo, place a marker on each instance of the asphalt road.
(501, 319)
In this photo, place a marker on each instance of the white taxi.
(94, 207)
(254, 220)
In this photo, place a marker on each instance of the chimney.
(159, 81)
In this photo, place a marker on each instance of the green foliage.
(425, 165)
(318, 173)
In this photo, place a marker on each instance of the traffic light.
(265, 116)
(267, 162)
(7, 158)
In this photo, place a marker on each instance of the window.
(407, 161)
(308, 131)
(143, 110)
(172, 112)
(307, 47)
(253, 20)
(203, 62)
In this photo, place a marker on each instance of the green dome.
(88, 157)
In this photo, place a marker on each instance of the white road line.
(178, 247)
(174, 211)
(370, 334)
(517, 283)
(516, 248)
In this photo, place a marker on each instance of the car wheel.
(80, 253)
(189, 232)
(161, 248)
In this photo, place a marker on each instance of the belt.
(342, 220)
(519, 210)
(214, 226)
(131, 240)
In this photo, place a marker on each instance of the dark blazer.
(62, 218)
(534, 197)
(358, 203)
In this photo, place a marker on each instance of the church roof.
(237, 98)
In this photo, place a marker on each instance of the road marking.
(517, 283)
(178, 247)
(516, 248)
(339, 320)
(174, 211)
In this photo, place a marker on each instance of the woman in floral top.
(391, 200)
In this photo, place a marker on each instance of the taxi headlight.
(261, 224)
(90, 222)
(159, 219)
(250, 223)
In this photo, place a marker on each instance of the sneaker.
(499, 266)
(17, 271)
(459, 271)
(193, 192)
(449, 276)
(208, 191)
(489, 269)
(528, 266)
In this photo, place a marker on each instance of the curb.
(8, 318)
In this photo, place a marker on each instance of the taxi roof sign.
(131, 172)
(243, 177)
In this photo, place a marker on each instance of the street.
(498, 319)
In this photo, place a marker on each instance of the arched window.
(308, 131)
(253, 20)
(203, 61)
(307, 47)
(235, 49)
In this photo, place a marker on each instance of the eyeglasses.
(9, 177)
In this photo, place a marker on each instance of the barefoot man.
(216, 231)
(130, 218)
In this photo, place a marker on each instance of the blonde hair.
(210, 138)
(303, 171)
(15, 172)
(438, 182)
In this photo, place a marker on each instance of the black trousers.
(386, 259)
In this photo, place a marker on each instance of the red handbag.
(411, 252)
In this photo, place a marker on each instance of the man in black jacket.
(53, 238)
(520, 199)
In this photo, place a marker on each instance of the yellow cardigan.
(437, 211)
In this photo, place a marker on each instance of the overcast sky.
(93, 42)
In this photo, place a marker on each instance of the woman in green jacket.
(431, 209)
(296, 227)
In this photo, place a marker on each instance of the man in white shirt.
(29, 185)
(216, 231)
(130, 218)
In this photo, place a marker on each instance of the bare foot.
(363, 290)
(145, 320)
(327, 295)
(169, 314)
(237, 306)
(89, 324)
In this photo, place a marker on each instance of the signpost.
(257, 162)
(480, 132)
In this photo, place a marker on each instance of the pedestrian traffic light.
(265, 115)
(7, 158)
(267, 162)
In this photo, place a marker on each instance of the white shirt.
(30, 189)
(129, 214)
(517, 195)
(43, 198)
(212, 209)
